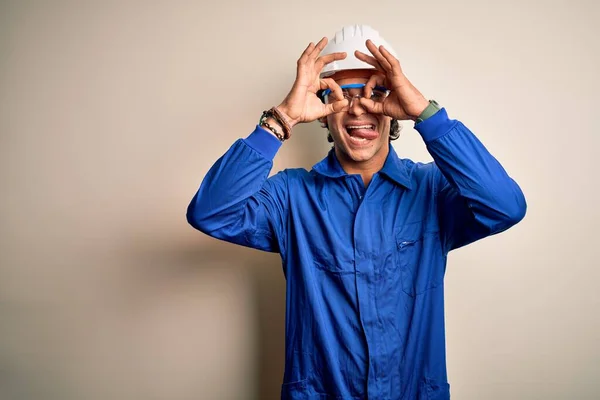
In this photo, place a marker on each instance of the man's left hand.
(405, 101)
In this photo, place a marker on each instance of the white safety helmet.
(350, 39)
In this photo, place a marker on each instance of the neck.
(366, 169)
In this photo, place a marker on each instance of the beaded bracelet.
(263, 122)
(280, 119)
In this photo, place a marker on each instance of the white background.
(112, 112)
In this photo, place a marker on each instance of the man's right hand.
(302, 103)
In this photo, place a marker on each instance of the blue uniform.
(364, 267)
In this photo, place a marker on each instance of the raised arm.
(236, 201)
(476, 196)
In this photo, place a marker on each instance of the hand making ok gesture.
(302, 103)
(405, 101)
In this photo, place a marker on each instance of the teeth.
(360, 127)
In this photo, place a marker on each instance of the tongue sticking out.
(363, 133)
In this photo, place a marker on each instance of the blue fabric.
(364, 267)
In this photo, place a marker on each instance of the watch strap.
(432, 108)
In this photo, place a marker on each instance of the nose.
(355, 108)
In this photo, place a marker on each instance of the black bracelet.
(263, 122)
(269, 127)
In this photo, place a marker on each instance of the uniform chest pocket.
(418, 259)
(336, 263)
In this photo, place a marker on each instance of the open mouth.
(360, 134)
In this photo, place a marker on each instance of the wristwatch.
(431, 109)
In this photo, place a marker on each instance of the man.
(364, 235)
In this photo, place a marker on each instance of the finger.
(308, 50)
(371, 106)
(378, 56)
(374, 80)
(318, 48)
(338, 106)
(329, 83)
(368, 59)
(394, 62)
(329, 58)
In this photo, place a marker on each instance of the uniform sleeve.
(476, 197)
(237, 202)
